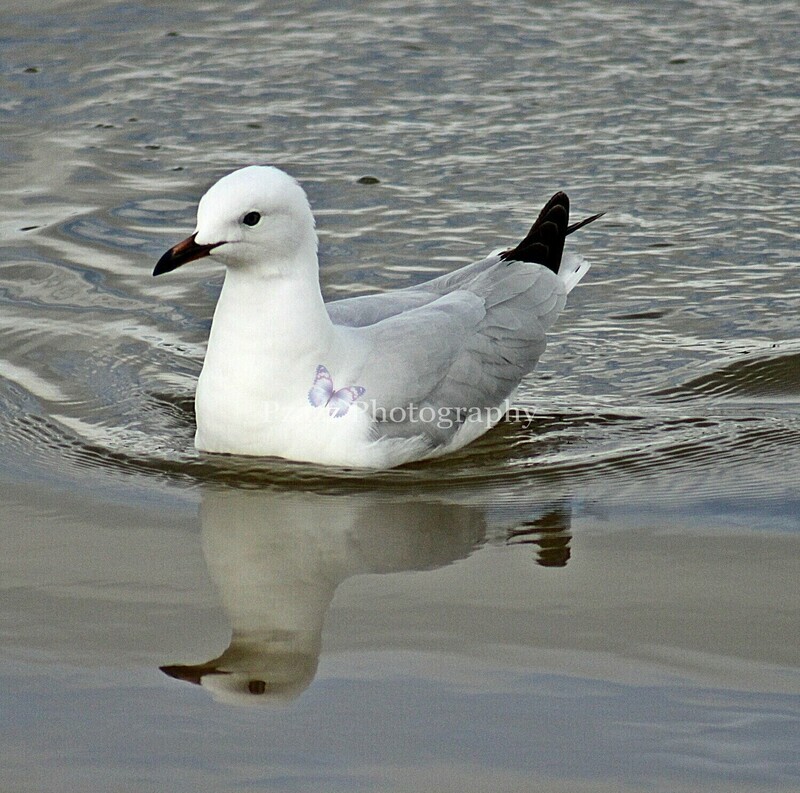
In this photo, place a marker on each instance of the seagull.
(368, 382)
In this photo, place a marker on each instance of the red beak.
(183, 252)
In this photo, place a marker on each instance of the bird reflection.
(277, 558)
(550, 534)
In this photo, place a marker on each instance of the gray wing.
(461, 341)
(356, 312)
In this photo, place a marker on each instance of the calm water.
(604, 598)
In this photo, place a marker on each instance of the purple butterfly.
(322, 394)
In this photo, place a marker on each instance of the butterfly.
(323, 395)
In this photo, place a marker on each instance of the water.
(602, 598)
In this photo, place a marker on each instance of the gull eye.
(251, 218)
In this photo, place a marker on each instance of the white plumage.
(372, 381)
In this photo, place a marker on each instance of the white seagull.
(367, 382)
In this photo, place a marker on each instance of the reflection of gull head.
(277, 558)
(248, 673)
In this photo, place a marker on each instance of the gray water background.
(601, 598)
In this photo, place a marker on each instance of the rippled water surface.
(601, 594)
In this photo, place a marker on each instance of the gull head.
(254, 218)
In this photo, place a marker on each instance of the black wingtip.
(544, 243)
(584, 222)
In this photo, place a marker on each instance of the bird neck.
(271, 315)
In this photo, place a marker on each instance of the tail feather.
(573, 268)
(544, 243)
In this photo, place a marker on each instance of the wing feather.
(465, 349)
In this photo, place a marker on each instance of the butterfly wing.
(340, 400)
(322, 388)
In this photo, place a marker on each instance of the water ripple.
(676, 362)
